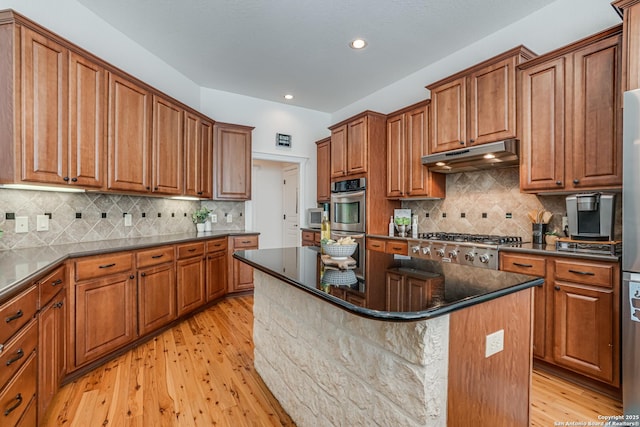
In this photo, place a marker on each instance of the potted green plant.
(199, 217)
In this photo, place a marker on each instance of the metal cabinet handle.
(472, 140)
(59, 305)
(132, 277)
(557, 288)
(558, 182)
(143, 274)
(18, 399)
(107, 265)
(576, 181)
(19, 355)
(583, 273)
(56, 282)
(518, 264)
(18, 315)
(191, 250)
(157, 256)
(461, 142)
(74, 179)
(246, 242)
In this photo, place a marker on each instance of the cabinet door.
(128, 141)
(216, 275)
(597, 137)
(198, 162)
(243, 274)
(205, 165)
(394, 298)
(417, 294)
(105, 317)
(167, 147)
(357, 145)
(339, 152)
(395, 155)
(418, 180)
(87, 120)
(233, 162)
(583, 335)
(323, 150)
(191, 284)
(492, 102)
(43, 109)
(543, 92)
(449, 116)
(156, 297)
(52, 350)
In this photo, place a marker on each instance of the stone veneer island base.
(328, 366)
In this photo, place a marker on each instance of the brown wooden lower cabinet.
(20, 392)
(156, 297)
(52, 322)
(576, 313)
(190, 279)
(216, 269)
(411, 291)
(390, 246)
(241, 277)
(105, 316)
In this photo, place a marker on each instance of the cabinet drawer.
(394, 247)
(100, 266)
(51, 284)
(18, 312)
(217, 245)
(588, 273)
(316, 238)
(524, 264)
(16, 351)
(245, 242)
(15, 398)
(375, 244)
(190, 250)
(149, 257)
(307, 235)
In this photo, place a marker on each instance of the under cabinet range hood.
(493, 155)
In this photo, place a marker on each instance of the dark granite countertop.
(19, 267)
(443, 288)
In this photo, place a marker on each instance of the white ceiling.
(266, 48)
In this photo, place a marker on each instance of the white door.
(290, 207)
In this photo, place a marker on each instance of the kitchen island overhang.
(344, 364)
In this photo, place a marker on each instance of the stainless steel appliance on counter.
(591, 216)
(631, 255)
(478, 250)
(348, 205)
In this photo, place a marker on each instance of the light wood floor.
(200, 373)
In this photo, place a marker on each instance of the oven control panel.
(454, 252)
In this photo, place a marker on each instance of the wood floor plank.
(200, 373)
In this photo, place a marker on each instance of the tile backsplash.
(490, 202)
(82, 217)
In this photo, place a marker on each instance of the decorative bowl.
(339, 277)
(339, 252)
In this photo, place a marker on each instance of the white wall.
(304, 125)
(551, 27)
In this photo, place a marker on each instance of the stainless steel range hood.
(493, 155)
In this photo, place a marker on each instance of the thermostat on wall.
(283, 141)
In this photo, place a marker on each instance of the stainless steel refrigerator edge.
(631, 254)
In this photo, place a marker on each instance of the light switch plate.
(42, 223)
(128, 220)
(214, 218)
(494, 343)
(229, 218)
(22, 224)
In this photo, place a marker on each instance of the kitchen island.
(398, 341)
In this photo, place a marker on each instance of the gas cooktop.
(478, 250)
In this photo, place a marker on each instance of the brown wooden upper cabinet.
(58, 90)
(167, 147)
(630, 43)
(477, 105)
(350, 144)
(232, 161)
(198, 162)
(323, 149)
(571, 118)
(128, 142)
(407, 142)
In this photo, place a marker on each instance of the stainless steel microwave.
(314, 217)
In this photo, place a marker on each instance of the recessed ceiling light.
(288, 96)
(358, 44)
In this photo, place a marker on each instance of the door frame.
(302, 181)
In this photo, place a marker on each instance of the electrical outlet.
(42, 223)
(22, 224)
(128, 220)
(229, 218)
(214, 218)
(565, 222)
(494, 343)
